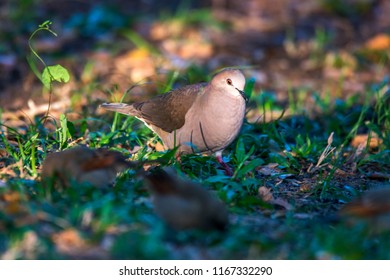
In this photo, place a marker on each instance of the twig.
(327, 151)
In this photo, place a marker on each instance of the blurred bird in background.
(82, 165)
(184, 204)
(371, 208)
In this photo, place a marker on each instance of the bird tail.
(120, 108)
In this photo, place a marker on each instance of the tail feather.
(120, 108)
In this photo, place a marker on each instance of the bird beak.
(242, 94)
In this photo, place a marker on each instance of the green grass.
(258, 229)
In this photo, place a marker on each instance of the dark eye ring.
(229, 82)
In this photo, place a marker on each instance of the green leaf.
(54, 73)
(249, 86)
(71, 129)
(249, 167)
(33, 66)
(218, 179)
(140, 42)
(240, 151)
(64, 133)
(45, 24)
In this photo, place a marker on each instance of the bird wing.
(168, 111)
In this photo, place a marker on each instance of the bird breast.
(210, 126)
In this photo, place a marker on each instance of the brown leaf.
(362, 139)
(380, 42)
(157, 146)
(265, 194)
(305, 187)
(281, 202)
(68, 239)
(138, 64)
(188, 49)
(3, 152)
(269, 169)
(163, 30)
(11, 196)
(69, 242)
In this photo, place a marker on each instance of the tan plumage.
(203, 117)
(184, 204)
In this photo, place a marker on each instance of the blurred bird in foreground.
(372, 207)
(82, 165)
(184, 204)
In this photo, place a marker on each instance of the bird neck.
(226, 103)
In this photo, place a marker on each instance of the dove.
(184, 204)
(197, 118)
(82, 165)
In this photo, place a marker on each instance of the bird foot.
(227, 168)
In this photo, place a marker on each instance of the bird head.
(230, 81)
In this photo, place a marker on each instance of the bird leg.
(228, 170)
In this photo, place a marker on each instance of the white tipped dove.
(199, 118)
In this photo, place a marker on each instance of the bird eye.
(229, 82)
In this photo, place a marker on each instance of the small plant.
(50, 73)
(243, 162)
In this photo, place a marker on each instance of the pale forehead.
(230, 73)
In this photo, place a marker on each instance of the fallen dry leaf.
(10, 170)
(362, 139)
(305, 187)
(157, 146)
(188, 49)
(270, 169)
(341, 63)
(266, 195)
(3, 152)
(281, 202)
(379, 42)
(138, 64)
(69, 242)
(163, 30)
(14, 207)
(10, 196)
